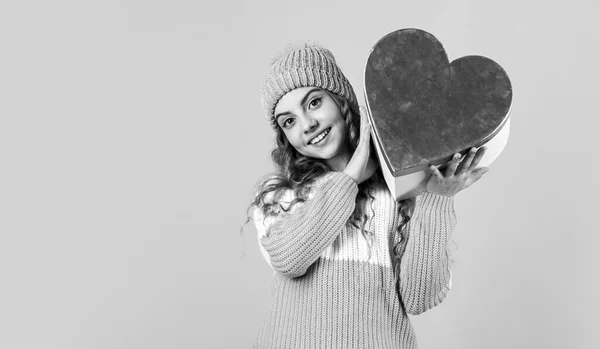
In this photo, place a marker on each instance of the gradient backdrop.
(132, 133)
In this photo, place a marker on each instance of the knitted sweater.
(328, 293)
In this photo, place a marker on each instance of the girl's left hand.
(458, 175)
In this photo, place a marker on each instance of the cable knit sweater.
(328, 293)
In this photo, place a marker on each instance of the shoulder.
(279, 201)
(279, 196)
(285, 196)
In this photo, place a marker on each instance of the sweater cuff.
(439, 203)
(340, 181)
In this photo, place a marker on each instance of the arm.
(425, 267)
(295, 240)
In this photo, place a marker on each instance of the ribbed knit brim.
(302, 67)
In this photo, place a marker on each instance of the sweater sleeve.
(425, 266)
(295, 240)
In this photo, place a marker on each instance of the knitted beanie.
(301, 67)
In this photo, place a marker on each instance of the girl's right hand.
(361, 166)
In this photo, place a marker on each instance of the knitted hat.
(301, 67)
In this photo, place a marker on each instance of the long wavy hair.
(296, 172)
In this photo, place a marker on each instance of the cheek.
(343, 129)
(295, 141)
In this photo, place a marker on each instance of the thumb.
(483, 170)
(479, 172)
(363, 110)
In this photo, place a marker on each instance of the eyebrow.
(301, 102)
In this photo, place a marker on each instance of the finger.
(435, 172)
(478, 157)
(477, 174)
(365, 127)
(366, 141)
(363, 116)
(466, 162)
(451, 169)
(365, 120)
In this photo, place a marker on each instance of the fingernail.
(457, 155)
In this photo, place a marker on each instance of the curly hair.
(297, 172)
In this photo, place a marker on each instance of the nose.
(310, 124)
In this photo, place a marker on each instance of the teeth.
(318, 138)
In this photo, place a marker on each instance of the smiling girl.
(350, 263)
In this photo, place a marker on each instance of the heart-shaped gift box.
(424, 109)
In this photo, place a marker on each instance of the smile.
(320, 137)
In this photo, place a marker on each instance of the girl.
(350, 262)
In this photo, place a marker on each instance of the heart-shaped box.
(424, 109)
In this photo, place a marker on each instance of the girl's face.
(313, 124)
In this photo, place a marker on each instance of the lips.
(320, 137)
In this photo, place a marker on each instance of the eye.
(315, 102)
(287, 122)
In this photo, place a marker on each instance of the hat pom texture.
(310, 65)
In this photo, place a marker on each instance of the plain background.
(132, 134)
